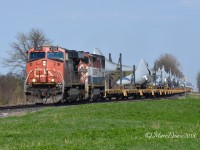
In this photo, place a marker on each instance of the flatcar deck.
(143, 92)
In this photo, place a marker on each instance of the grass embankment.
(167, 124)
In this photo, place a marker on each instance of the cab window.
(55, 56)
(36, 55)
(85, 60)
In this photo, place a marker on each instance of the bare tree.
(198, 81)
(24, 41)
(170, 62)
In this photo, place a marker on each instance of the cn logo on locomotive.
(38, 70)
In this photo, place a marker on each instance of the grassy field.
(164, 124)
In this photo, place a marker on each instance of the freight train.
(55, 74)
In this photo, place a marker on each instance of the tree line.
(11, 89)
(11, 85)
(198, 81)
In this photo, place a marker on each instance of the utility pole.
(133, 76)
(120, 63)
(110, 80)
(155, 66)
(110, 58)
(161, 78)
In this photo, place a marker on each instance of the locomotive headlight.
(44, 62)
(52, 80)
(34, 80)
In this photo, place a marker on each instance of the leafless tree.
(24, 41)
(198, 81)
(170, 62)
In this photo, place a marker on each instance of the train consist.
(56, 74)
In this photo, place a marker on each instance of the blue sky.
(136, 28)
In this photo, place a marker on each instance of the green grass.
(120, 125)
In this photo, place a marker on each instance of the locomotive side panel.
(96, 71)
(72, 72)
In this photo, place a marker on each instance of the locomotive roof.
(67, 50)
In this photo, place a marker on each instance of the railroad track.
(15, 110)
(27, 106)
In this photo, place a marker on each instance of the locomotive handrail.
(63, 83)
(28, 75)
(27, 79)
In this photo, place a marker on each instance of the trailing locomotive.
(57, 74)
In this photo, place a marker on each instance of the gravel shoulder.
(17, 112)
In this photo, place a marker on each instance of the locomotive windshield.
(36, 55)
(55, 55)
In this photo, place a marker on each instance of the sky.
(136, 28)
